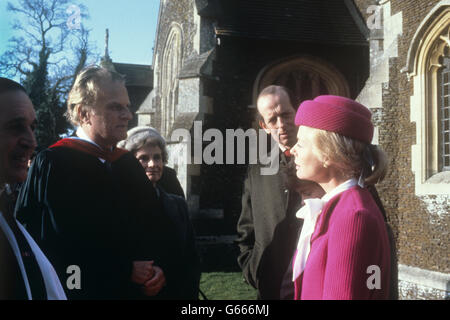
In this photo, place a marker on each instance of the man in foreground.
(25, 272)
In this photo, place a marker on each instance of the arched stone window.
(171, 65)
(444, 112)
(307, 77)
(428, 68)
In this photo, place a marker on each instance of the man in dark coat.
(89, 204)
(25, 272)
(268, 229)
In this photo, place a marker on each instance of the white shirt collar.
(81, 134)
(340, 188)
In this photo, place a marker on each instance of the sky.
(131, 24)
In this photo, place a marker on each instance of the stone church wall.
(181, 12)
(421, 223)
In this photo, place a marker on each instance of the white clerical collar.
(52, 284)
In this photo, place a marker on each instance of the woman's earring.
(325, 165)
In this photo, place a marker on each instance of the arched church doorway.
(306, 77)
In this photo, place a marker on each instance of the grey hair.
(86, 88)
(274, 90)
(139, 137)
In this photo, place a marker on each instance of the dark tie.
(35, 279)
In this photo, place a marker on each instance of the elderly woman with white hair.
(149, 147)
(144, 140)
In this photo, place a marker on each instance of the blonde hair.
(86, 88)
(350, 156)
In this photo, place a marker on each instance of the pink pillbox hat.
(337, 114)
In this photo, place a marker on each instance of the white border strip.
(422, 277)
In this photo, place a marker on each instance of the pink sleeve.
(352, 248)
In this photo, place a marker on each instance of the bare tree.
(46, 53)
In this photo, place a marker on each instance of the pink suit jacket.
(349, 239)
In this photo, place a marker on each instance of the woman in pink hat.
(343, 250)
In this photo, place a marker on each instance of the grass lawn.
(226, 286)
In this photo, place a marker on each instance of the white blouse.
(310, 212)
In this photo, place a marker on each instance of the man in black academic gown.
(90, 205)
